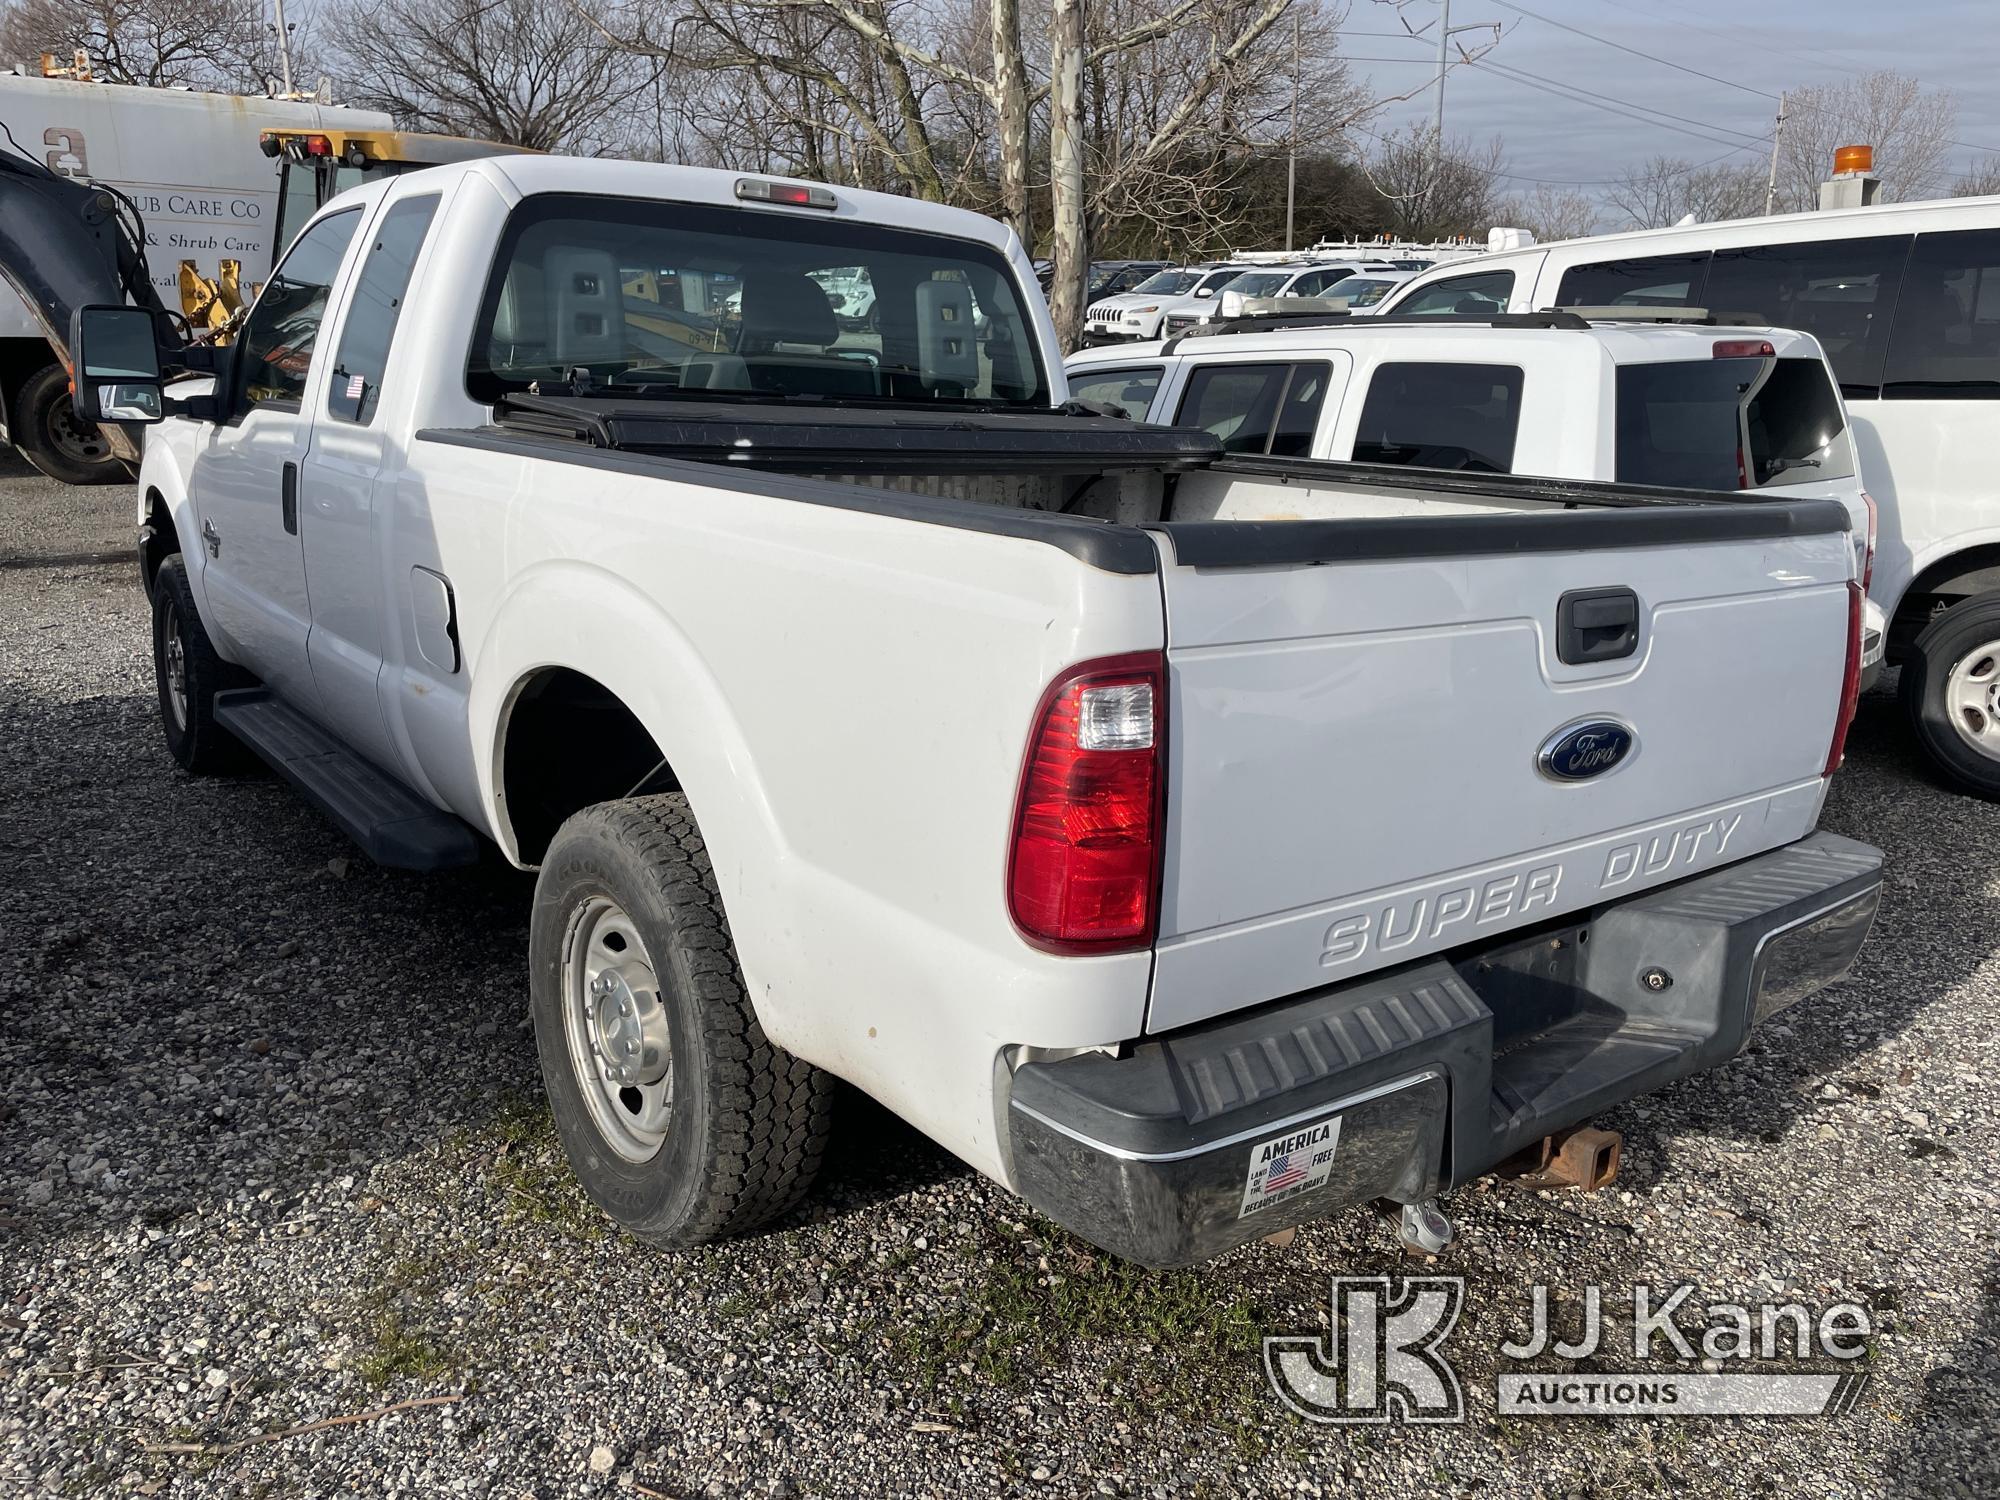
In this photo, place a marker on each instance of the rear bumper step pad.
(1432, 1073)
(390, 822)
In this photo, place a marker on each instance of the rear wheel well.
(570, 743)
(1943, 584)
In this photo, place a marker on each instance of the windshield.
(1169, 283)
(1727, 424)
(1259, 283)
(682, 300)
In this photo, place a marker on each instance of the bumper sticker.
(1289, 1164)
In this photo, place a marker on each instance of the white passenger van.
(1905, 298)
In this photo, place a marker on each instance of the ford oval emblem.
(1578, 752)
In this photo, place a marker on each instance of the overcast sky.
(1766, 45)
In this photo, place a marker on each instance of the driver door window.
(283, 328)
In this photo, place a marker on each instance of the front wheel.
(679, 1117)
(55, 439)
(189, 674)
(1951, 690)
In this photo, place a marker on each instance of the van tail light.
(1744, 349)
(1868, 559)
(1083, 874)
(1850, 681)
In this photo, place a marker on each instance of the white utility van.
(1905, 298)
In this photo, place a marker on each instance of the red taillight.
(1084, 872)
(1744, 349)
(1850, 681)
(318, 145)
(1868, 560)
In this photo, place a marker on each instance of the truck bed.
(1363, 663)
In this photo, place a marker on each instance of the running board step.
(393, 825)
(1581, 1065)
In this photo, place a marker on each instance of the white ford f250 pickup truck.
(1197, 844)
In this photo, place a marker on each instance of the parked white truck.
(1196, 844)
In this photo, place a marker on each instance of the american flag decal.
(1285, 1166)
(1285, 1170)
(356, 384)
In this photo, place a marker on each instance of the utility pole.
(284, 33)
(1444, 40)
(1292, 156)
(1446, 31)
(1771, 182)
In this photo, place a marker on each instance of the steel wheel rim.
(615, 1030)
(75, 438)
(1972, 698)
(173, 654)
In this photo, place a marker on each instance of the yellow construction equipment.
(313, 167)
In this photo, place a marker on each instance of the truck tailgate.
(1358, 712)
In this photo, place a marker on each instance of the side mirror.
(1232, 305)
(115, 367)
(1205, 291)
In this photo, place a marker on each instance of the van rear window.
(1727, 424)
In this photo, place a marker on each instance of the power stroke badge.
(1289, 1164)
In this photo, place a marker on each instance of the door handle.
(289, 486)
(1596, 625)
(212, 537)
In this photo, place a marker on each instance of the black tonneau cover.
(823, 437)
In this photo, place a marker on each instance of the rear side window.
(1839, 291)
(1270, 409)
(1132, 387)
(1482, 295)
(1946, 343)
(1725, 424)
(1441, 416)
(1653, 281)
(356, 387)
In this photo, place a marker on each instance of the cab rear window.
(1727, 424)
(1441, 416)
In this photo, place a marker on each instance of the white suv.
(1138, 314)
(1309, 279)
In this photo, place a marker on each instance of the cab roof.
(1624, 343)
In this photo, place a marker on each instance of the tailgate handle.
(1596, 625)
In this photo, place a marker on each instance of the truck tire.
(190, 674)
(679, 1117)
(1951, 690)
(55, 440)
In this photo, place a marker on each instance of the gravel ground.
(42, 521)
(272, 1154)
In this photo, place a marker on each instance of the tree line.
(1116, 128)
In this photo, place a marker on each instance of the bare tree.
(1981, 180)
(1428, 192)
(1909, 126)
(529, 73)
(1668, 189)
(1552, 213)
(160, 43)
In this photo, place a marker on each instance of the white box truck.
(192, 165)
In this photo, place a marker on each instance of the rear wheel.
(55, 439)
(679, 1117)
(1951, 690)
(190, 674)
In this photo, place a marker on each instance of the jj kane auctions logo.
(1385, 1360)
